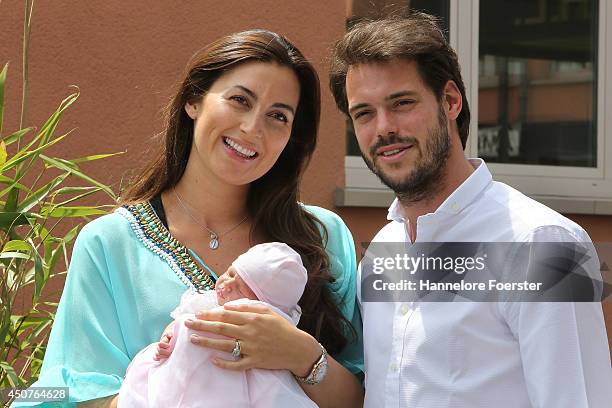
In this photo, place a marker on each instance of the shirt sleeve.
(86, 351)
(563, 345)
(341, 250)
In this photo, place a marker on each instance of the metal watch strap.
(318, 372)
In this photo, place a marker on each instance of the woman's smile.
(238, 149)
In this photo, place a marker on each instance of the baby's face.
(230, 286)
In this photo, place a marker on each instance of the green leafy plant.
(41, 210)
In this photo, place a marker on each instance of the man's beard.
(425, 179)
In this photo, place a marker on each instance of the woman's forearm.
(339, 388)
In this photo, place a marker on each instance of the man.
(399, 82)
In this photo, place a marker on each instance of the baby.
(271, 274)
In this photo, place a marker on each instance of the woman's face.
(230, 286)
(244, 122)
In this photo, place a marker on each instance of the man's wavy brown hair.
(415, 37)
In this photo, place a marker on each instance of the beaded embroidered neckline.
(155, 236)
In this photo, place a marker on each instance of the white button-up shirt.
(477, 354)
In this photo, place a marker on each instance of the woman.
(239, 134)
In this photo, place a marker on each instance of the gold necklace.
(214, 237)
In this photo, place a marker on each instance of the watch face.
(321, 371)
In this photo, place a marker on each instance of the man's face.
(400, 126)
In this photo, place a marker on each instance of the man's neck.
(455, 173)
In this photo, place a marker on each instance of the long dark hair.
(272, 199)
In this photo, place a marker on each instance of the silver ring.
(237, 351)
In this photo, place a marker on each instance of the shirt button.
(404, 309)
(455, 207)
(393, 367)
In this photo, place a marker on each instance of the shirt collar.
(395, 211)
(460, 198)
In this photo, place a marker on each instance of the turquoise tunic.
(125, 279)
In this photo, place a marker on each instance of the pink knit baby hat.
(276, 274)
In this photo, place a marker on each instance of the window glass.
(537, 82)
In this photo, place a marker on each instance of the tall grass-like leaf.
(47, 130)
(95, 157)
(72, 190)
(14, 255)
(38, 196)
(5, 320)
(44, 324)
(13, 193)
(29, 213)
(68, 163)
(61, 212)
(78, 197)
(12, 375)
(40, 277)
(59, 250)
(16, 245)
(12, 182)
(18, 135)
(27, 29)
(45, 134)
(13, 187)
(47, 241)
(2, 153)
(59, 165)
(12, 219)
(23, 154)
(2, 81)
(29, 321)
(11, 201)
(70, 235)
(49, 127)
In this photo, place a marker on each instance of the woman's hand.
(267, 340)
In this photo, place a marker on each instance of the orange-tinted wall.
(573, 102)
(125, 56)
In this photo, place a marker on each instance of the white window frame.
(566, 189)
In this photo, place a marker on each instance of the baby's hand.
(163, 347)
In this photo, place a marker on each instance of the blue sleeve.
(341, 250)
(86, 351)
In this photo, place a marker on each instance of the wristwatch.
(318, 372)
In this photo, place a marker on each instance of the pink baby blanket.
(189, 379)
